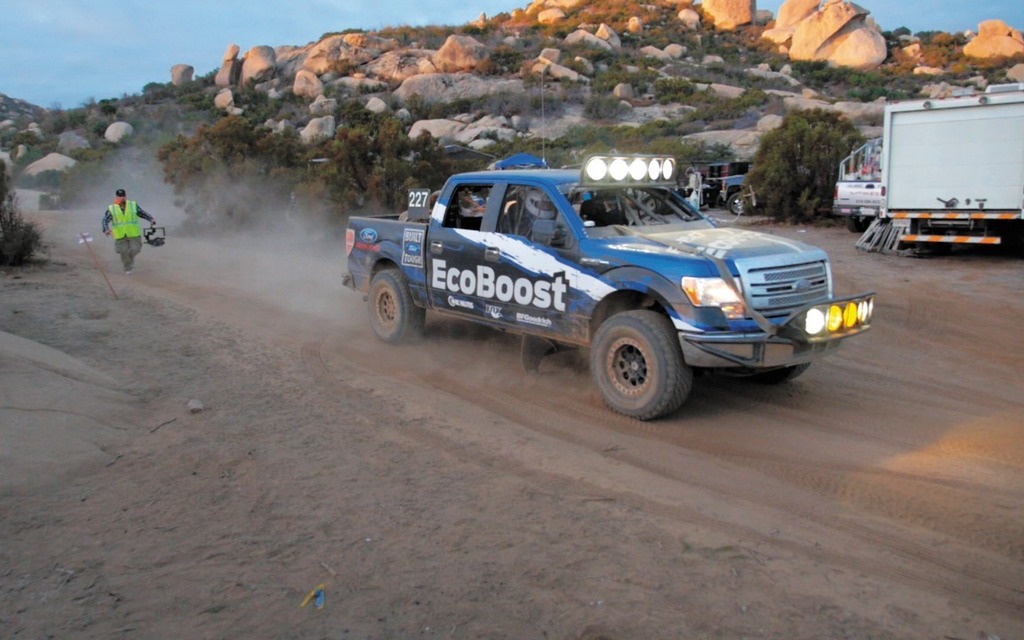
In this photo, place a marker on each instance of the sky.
(65, 53)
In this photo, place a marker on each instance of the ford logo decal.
(368, 236)
(412, 248)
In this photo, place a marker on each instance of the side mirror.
(547, 232)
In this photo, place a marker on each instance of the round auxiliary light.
(814, 322)
(865, 310)
(596, 169)
(638, 169)
(618, 169)
(654, 171)
(668, 169)
(835, 318)
(850, 315)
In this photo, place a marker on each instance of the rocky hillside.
(715, 73)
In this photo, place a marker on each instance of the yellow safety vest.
(126, 221)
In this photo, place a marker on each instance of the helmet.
(539, 205)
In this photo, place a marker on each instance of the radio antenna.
(543, 120)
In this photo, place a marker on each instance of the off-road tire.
(736, 204)
(638, 366)
(394, 316)
(778, 376)
(857, 224)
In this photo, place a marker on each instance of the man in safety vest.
(121, 220)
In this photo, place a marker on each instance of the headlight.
(814, 322)
(714, 292)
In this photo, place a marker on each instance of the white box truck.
(952, 172)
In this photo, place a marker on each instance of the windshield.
(610, 211)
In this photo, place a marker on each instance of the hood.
(726, 244)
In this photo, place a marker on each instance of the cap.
(119, 193)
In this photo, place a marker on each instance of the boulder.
(676, 51)
(323, 106)
(440, 129)
(1016, 72)
(559, 72)
(764, 71)
(70, 141)
(307, 85)
(608, 34)
(995, 39)
(335, 53)
(726, 15)
(587, 39)
(376, 105)
(862, 112)
(635, 25)
(118, 131)
(793, 12)
(258, 65)
(460, 53)
(840, 33)
(318, 129)
(230, 68)
(690, 19)
(398, 66)
(448, 87)
(863, 49)
(224, 99)
(656, 53)
(279, 126)
(50, 162)
(182, 74)
(624, 91)
(550, 54)
(359, 85)
(769, 122)
(550, 16)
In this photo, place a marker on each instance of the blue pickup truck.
(612, 258)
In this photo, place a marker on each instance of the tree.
(796, 166)
(19, 239)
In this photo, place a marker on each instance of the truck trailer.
(952, 172)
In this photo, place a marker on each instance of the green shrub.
(19, 239)
(668, 90)
(602, 107)
(796, 165)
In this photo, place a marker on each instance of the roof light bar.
(634, 170)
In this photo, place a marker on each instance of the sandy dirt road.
(435, 490)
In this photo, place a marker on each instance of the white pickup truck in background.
(858, 195)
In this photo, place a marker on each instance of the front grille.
(778, 290)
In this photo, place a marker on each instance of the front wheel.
(638, 366)
(393, 314)
(736, 204)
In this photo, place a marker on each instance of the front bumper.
(789, 343)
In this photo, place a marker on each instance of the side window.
(467, 207)
(522, 207)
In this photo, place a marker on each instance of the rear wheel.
(393, 314)
(857, 224)
(638, 366)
